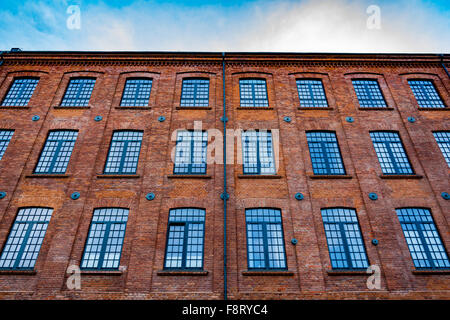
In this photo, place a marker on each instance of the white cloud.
(286, 25)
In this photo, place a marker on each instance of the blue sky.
(231, 25)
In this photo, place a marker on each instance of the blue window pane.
(185, 239)
(20, 92)
(345, 243)
(390, 152)
(136, 93)
(443, 141)
(78, 92)
(190, 153)
(253, 93)
(422, 238)
(25, 239)
(369, 94)
(426, 94)
(123, 155)
(57, 151)
(103, 246)
(311, 93)
(5, 137)
(325, 154)
(265, 239)
(257, 152)
(195, 93)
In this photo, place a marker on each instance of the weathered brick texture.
(144, 246)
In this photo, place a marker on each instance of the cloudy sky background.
(230, 25)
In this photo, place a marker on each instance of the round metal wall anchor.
(150, 196)
(411, 119)
(445, 195)
(349, 119)
(224, 119)
(294, 241)
(224, 196)
(35, 118)
(161, 118)
(287, 119)
(299, 196)
(373, 196)
(374, 242)
(75, 195)
(98, 118)
(2, 194)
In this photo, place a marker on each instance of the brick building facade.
(295, 189)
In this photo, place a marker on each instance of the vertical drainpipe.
(224, 196)
(443, 65)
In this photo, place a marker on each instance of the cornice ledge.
(108, 62)
(201, 61)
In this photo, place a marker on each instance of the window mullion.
(185, 240)
(424, 243)
(79, 90)
(191, 155)
(195, 93)
(311, 94)
(391, 156)
(345, 244)
(104, 244)
(253, 94)
(266, 246)
(24, 244)
(258, 159)
(424, 92)
(124, 154)
(136, 93)
(21, 90)
(55, 156)
(325, 157)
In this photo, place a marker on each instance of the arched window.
(25, 239)
(185, 239)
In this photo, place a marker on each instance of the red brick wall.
(144, 245)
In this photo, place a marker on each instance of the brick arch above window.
(437, 96)
(74, 75)
(253, 75)
(7, 83)
(380, 81)
(208, 88)
(134, 75)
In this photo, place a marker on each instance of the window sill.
(315, 108)
(254, 108)
(133, 108)
(347, 273)
(182, 273)
(430, 272)
(189, 176)
(45, 175)
(330, 176)
(15, 107)
(282, 273)
(375, 108)
(101, 272)
(259, 176)
(400, 176)
(71, 107)
(193, 108)
(433, 109)
(18, 272)
(118, 176)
